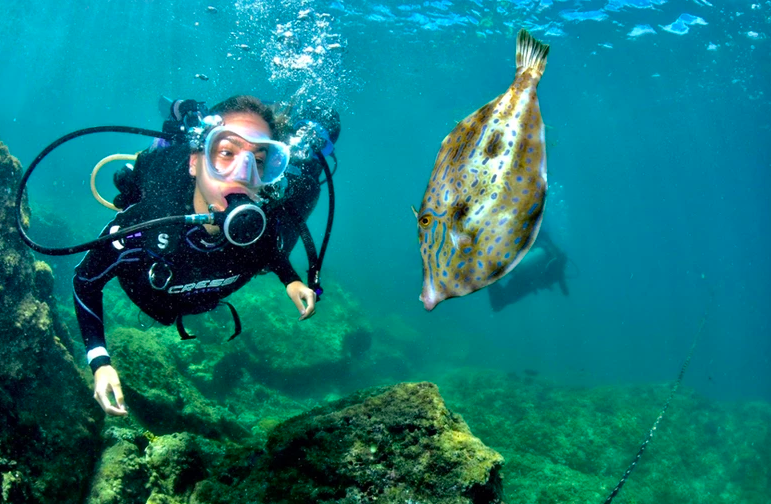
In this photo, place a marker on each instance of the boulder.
(49, 423)
(387, 445)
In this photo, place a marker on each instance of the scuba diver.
(202, 211)
(542, 267)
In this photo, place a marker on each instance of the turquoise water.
(658, 139)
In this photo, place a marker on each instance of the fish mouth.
(429, 299)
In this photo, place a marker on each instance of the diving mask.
(245, 156)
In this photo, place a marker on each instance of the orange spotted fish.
(484, 202)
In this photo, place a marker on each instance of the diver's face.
(227, 153)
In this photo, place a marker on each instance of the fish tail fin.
(531, 53)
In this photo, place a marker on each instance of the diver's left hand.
(303, 298)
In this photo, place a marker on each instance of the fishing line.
(663, 410)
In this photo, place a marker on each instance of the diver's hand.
(303, 298)
(106, 382)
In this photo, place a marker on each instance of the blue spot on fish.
(519, 178)
(449, 259)
(519, 239)
(532, 209)
(494, 196)
(441, 244)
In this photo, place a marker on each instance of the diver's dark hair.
(246, 103)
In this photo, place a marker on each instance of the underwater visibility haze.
(657, 122)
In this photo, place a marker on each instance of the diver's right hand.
(107, 383)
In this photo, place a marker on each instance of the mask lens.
(235, 156)
(275, 162)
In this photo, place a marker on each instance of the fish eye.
(425, 221)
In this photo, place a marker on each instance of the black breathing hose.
(315, 261)
(59, 251)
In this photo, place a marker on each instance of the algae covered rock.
(49, 423)
(572, 444)
(121, 475)
(157, 393)
(315, 357)
(391, 444)
(140, 467)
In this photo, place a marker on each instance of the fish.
(202, 77)
(484, 203)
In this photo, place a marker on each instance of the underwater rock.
(49, 422)
(328, 354)
(177, 462)
(147, 468)
(572, 444)
(48, 221)
(391, 444)
(120, 476)
(159, 395)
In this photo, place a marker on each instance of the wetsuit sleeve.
(281, 266)
(98, 267)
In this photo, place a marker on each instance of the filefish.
(484, 202)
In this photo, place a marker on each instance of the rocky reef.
(571, 445)
(49, 426)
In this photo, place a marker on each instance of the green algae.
(569, 445)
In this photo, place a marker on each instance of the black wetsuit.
(191, 270)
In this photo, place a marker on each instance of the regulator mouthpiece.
(243, 222)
